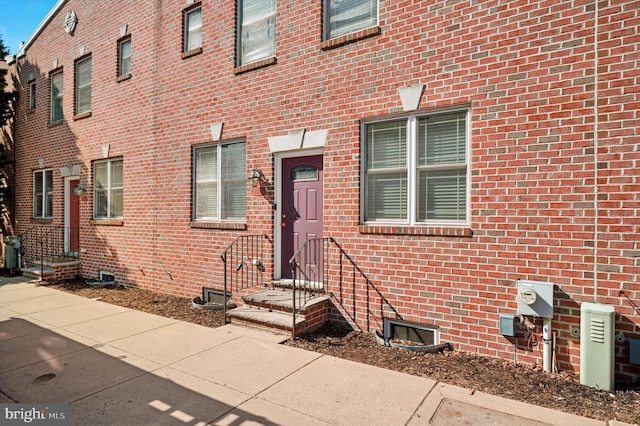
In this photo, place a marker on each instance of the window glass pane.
(442, 195)
(101, 175)
(32, 96)
(257, 38)
(48, 184)
(125, 57)
(100, 203)
(347, 16)
(386, 145)
(83, 86)
(234, 181)
(56, 97)
(116, 174)
(38, 194)
(206, 196)
(194, 29)
(386, 196)
(441, 139)
(116, 203)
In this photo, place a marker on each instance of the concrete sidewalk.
(117, 366)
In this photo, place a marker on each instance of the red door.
(73, 234)
(301, 209)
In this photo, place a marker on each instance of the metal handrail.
(348, 295)
(243, 265)
(46, 245)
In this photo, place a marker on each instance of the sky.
(20, 18)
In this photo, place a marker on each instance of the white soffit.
(410, 96)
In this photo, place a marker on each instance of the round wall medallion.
(70, 22)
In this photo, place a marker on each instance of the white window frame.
(44, 205)
(110, 190)
(190, 33)
(331, 31)
(218, 180)
(261, 23)
(57, 98)
(122, 59)
(83, 88)
(412, 169)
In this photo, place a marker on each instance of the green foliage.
(6, 98)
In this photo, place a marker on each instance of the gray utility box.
(597, 346)
(535, 298)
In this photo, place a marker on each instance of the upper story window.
(257, 35)
(56, 96)
(415, 170)
(124, 57)
(348, 16)
(43, 194)
(83, 85)
(220, 182)
(192, 28)
(32, 96)
(108, 189)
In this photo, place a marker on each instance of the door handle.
(283, 224)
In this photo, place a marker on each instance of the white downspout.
(595, 155)
(546, 344)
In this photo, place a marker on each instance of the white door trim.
(67, 208)
(277, 232)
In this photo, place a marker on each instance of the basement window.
(107, 277)
(411, 333)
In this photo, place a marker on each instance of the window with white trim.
(32, 96)
(43, 194)
(348, 16)
(220, 182)
(108, 189)
(124, 57)
(415, 170)
(192, 28)
(257, 35)
(56, 96)
(83, 85)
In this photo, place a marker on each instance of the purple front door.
(301, 206)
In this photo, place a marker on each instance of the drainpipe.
(546, 344)
(595, 154)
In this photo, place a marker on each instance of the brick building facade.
(462, 146)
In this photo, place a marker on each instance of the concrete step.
(264, 318)
(38, 272)
(282, 300)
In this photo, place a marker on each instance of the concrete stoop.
(53, 271)
(272, 310)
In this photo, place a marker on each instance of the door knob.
(283, 224)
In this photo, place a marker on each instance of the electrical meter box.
(597, 347)
(535, 298)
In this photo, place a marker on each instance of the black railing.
(46, 245)
(243, 265)
(356, 299)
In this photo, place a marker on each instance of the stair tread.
(264, 316)
(279, 299)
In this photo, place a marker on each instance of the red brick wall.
(551, 87)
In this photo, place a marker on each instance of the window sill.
(82, 115)
(192, 52)
(442, 231)
(219, 225)
(350, 38)
(107, 222)
(41, 220)
(255, 65)
(123, 77)
(55, 123)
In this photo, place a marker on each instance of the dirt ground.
(477, 373)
